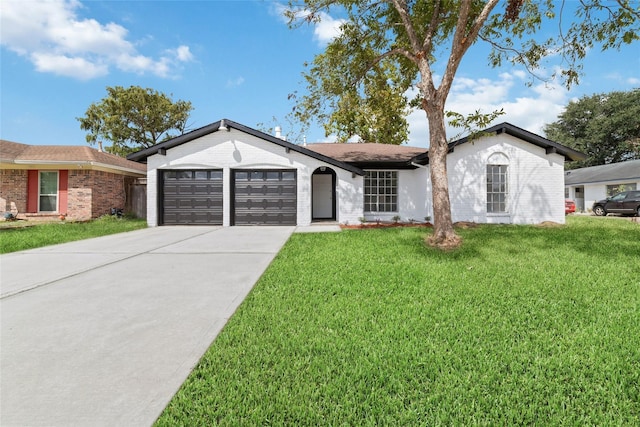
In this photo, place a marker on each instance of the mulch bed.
(386, 225)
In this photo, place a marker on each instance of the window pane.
(48, 196)
(497, 188)
(48, 203)
(216, 175)
(380, 191)
(48, 182)
(202, 174)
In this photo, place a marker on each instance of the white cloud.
(325, 27)
(78, 68)
(536, 107)
(182, 53)
(52, 36)
(238, 81)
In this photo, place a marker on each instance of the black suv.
(627, 202)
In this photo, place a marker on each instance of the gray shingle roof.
(629, 170)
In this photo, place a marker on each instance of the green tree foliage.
(605, 126)
(388, 49)
(133, 119)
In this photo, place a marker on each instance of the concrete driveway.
(104, 331)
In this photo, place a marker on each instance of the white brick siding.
(536, 182)
(412, 197)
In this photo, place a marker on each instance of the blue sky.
(231, 59)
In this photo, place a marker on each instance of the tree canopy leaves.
(134, 118)
(604, 126)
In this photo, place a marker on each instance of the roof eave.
(74, 163)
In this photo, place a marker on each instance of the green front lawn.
(19, 236)
(523, 325)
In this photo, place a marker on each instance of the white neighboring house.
(588, 185)
(229, 174)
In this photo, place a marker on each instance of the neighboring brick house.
(80, 182)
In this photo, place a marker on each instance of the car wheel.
(599, 210)
(638, 211)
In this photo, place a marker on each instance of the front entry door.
(322, 203)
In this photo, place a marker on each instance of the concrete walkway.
(103, 332)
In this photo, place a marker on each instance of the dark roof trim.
(549, 146)
(141, 156)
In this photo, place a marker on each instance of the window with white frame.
(48, 191)
(381, 191)
(497, 188)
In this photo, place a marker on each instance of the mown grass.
(522, 326)
(19, 238)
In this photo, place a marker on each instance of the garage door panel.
(266, 204)
(267, 197)
(264, 218)
(192, 203)
(192, 197)
(266, 190)
(188, 218)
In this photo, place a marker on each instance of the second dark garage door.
(264, 197)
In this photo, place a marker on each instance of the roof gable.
(530, 137)
(225, 124)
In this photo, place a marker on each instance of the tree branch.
(463, 40)
(636, 13)
(427, 46)
(517, 53)
(401, 7)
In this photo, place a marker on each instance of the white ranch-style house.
(229, 174)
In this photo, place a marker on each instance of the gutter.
(77, 164)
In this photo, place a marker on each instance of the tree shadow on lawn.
(590, 238)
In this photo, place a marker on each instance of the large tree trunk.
(444, 236)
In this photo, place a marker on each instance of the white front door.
(322, 203)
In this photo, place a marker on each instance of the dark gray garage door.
(192, 197)
(264, 197)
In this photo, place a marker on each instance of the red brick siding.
(13, 190)
(90, 193)
(93, 193)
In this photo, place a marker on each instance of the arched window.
(497, 183)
